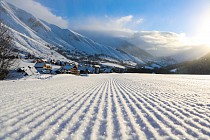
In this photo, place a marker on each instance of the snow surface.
(106, 106)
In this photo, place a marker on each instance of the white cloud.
(156, 42)
(163, 39)
(40, 11)
(118, 26)
(161, 43)
(123, 20)
(139, 21)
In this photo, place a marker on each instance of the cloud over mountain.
(40, 11)
(118, 26)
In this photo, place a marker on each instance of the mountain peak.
(41, 38)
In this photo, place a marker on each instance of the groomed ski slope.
(106, 106)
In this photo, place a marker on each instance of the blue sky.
(188, 19)
(163, 15)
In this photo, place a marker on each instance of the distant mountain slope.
(191, 54)
(156, 43)
(117, 42)
(199, 66)
(41, 38)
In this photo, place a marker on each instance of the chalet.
(65, 69)
(83, 68)
(43, 67)
(75, 70)
(39, 66)
(97, 69)
(68, 69)
(27, 71)
(40, 61)
(48, 67)
(60, 63)
(90, 69)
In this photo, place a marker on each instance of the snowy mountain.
(158, 44)
(116, 42)
(42, 39)
(198, 66)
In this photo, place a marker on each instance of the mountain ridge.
(37, 36)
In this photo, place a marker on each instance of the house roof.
(29, 70)
(68, 67)
(39, 65)
(90, 68)
(82, 68)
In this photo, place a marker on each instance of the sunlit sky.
(190, 17)
(180, 16)
(173, 15)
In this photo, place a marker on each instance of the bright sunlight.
(202, 35)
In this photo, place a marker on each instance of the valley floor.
(106, 106)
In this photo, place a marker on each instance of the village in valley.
(41, 66)
(30, 65)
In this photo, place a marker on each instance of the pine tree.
(6, 50)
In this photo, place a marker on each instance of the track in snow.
(112, 106)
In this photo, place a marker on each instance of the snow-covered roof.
(90, 68)
(29, 70)
(39, 65)
(44, 60)
(68, 67)
(55, 67)
(81, 68)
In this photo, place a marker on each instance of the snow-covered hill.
(41, 38)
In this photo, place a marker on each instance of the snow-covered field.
(106, 106)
